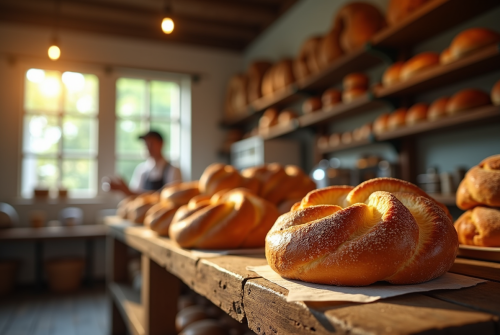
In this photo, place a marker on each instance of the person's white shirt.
(154, 171)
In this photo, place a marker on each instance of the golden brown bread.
(479, 226)
(380, 124)
(329, 48)
(283, 74)
(217, 177)
(356, 80)
(159, 217)
(268, 119)
(469, 41)
(481, 185)
(362, 133)
(467, 99)
(236, 95)
(437, 109)
(335, 139)
(307, 62)
(418, 64)
(397, 119)
(398, 10)
(323, 142)
(495, 93)
(235, 219)
(346, 137)
(255, 75)
(355, 246)
(352, 94)
(124, 205)
(392, 74)
(445, 56)
(267, 87)
(179, 193)
(311, 104)
(138, 207)
(286, 116)
(331, 97)
(417, 113)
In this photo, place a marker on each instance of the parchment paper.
(302, 291)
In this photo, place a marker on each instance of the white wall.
(22, 46)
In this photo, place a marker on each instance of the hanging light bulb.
(54, 52)
(167, 24)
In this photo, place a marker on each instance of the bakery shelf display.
(128, 302)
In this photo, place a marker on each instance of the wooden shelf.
(280, 130)
(480, 62)
(128, 302)
(445, 199)
(340, 147)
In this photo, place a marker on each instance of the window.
(142, 105)
(60, 132)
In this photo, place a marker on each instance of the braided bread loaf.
(217, 177)
(232, 219)
(382, 230)
(479, 226)
(481, 185)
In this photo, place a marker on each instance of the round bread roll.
(205, 327)
(437, 109)
(189, 315)
(323, 142)
(255, 75)
(235, 219)
(286, 116)
(346, 137)
(392, 74)
(283, 74)
(268, 119)
(445, 56)
(380, 125)
(217, 177)
(362, 248)
(307, 62)
(481, 185)
(311, 105)
(159, 217)
(356, 80)
(331, 97)
(398, 10)
(397, 119)
(418, 63)
(267, 87)
(469, 41)
(352, 94)
(479, 226)
(335, 139)
(417, 113)
(495, 94)
(467, 99)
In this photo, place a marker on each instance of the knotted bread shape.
(481, 185)
(218, 177)
(479, 226)
(356, 237)
(229, 220)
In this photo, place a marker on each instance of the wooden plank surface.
(50, 233)
(476, 268)
(268, 312)
(128, 302)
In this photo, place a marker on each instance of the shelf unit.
(128, 302)
(427, 21)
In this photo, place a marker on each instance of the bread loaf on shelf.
(352, 94)
(392, 74)
(138, 207)
(495, 94)
(323, 142)
(307, 62)
(346, 137)
(331, 97)
(311, 104)
(469, 41)
(218, 177)
(268, 119)
(283, 74)
(418, 64)
(356, 80)
(255, 75)
(398, 10)
(397, 119)
(467, 99)
(360, 226)
(481, 185)
(335, 139)
(236, 95)
(179, 193)
(437, 109)
(286, 116)
(159, 217)
(479, 226)
(380, 125)
(417, 113)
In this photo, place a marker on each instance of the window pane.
(80, 135)
(125, 168)
(130, 97)
(41, 134)
(81, 93)
(164, 98)
(127, 133)
(43, 91)
(165, 129)
(38, 172)
(80, 177)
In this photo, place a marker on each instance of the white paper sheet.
(302, 291)
(216, 253)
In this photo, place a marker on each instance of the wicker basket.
(8, 269)
(65, 274)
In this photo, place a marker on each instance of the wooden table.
(251, 299)
(39, 235)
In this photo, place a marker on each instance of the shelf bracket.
(386, 54)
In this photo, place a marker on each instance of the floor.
(85, 312)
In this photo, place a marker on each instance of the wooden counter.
(247, 297)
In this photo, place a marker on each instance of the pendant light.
(54, 51)
(167, 24)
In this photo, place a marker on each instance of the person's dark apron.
(155, 185)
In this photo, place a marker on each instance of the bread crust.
(479, 226)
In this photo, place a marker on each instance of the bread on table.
(255, 75)
(417, 113)
(479, 226)
(392, 74)
(468, 41)
(467, 99)
(380, 125)
(398, 10)
(481, 185)
(311, 104)
(331, 97)
(418, 64)
(159, 217)
(307, 62)
(138, 207)
(180, 193)
(217, 177)
(374, 233)
(495, 93)
(437, 109)
(124, 206)
(397, 119)
(236, 219)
